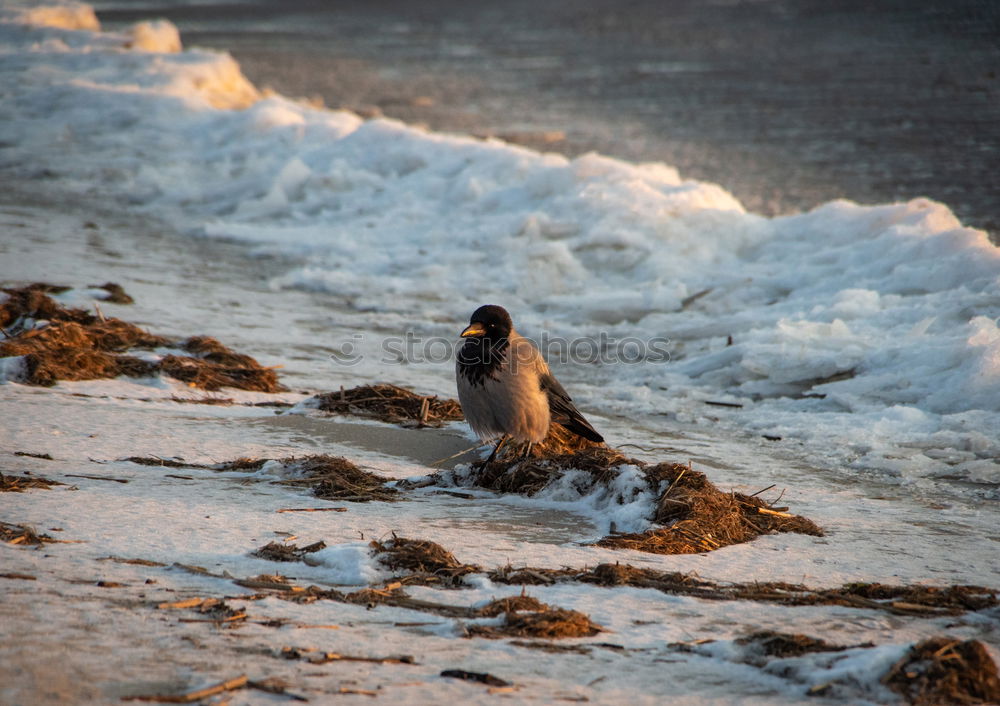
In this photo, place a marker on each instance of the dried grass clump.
(768, 643)
(561, 440)
(421, 557)
(199, 372)
(336, 478)
(22, 534)
(217, 610)
(942, 670)
(239, 464)
(117, 335)
(18, 484)
(214, 366)
(547, 622)
(165, 462)
(369, 596)
(628, 575)
(529, 476)
(116, 294)
(208, 348)
(692, 514)
(511, 604)
(243, 463)
(29, 454)
(69, 350)
(264, 580)
(960, 598)
(531, 576)
(276, 551)
(33, 302)
(611, 575)
(555, 622)
(698, 517)
(45, 369)
(392, 404)
(77, 345)
(110, 335)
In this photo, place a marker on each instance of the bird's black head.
(491, 322)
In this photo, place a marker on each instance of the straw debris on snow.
(33, 302)
(276, 551)
(914, 600)
(525, 616)
(942, 670)
(769, 643)
(17, 484)
(690, 514)
(78, 345)
(546, 622)
(511, 604)
(23, 535)
(336, 478)
(561, 440)
(329, 477)
(425, 561)
(522, 616)
(695, 516)
(421, 562)
(390, 403)
(530, 476)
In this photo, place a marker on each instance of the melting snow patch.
(349, 565)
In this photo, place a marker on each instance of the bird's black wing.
(562, 410)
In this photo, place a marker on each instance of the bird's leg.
(495, 450)
(527, 451)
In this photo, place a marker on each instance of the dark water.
(785, 103)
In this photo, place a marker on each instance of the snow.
(156, 36)
(348, 565)
(68, 15)
(12, 368)
(866, 337)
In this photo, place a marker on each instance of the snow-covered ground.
(866, 338)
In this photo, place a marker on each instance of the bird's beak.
(474, 329)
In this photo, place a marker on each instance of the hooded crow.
(505, 387)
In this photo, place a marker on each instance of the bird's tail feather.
(581, 427)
